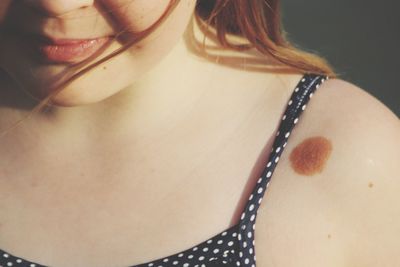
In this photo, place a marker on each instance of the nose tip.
(59, 7)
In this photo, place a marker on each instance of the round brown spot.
(370, 185)
(309, 157)
(329, 236)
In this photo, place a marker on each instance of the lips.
(68, 50)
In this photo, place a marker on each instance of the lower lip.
(70, 51)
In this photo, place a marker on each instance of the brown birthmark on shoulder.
(309, 157)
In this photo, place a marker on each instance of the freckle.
(104, 68)
(329, 236)
(370, 185)
(310, 156)
(34, 183)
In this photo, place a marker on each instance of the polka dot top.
(234, 246)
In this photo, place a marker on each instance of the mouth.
(70, 51)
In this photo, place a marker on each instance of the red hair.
(259, 22)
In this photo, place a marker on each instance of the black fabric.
(233, 246)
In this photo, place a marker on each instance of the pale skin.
(162, 156)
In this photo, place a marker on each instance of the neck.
(160, 98)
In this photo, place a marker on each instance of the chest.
(87, 225)
(115, 214)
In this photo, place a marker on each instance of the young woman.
(146, 133)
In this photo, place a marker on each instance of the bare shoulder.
(364, 174)
(347, 213)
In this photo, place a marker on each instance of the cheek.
(134, 15)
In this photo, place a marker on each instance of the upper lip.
(64, 41)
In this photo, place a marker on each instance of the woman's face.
(41, 39)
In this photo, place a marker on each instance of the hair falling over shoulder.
(259, 23)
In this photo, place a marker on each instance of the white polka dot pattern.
(234, 246)
(295, 106)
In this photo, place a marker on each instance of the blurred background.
(360, 38)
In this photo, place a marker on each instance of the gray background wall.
(360, 38)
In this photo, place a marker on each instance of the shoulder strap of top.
(296, 105)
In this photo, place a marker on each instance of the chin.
(67, 101)
(74, 97)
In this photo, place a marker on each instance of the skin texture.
(311, 155)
